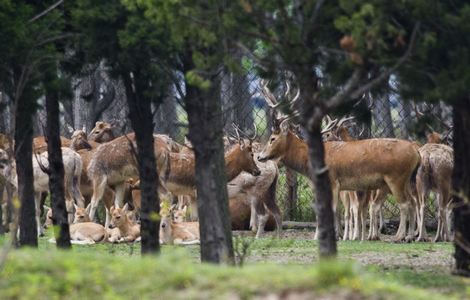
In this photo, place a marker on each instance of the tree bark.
(205, 133)
(461, 186)
(24, 167)
(140, 115)
(291, 196)
(323, 194)
(383, 116)
(56, 166)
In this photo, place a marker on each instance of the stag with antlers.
(356, 165)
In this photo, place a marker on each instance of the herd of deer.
(362, 173)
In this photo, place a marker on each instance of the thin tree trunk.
(205, 133)
(323, 194)
(56, 167)
(141, 119)
(461, 186)
(291, 196)
(24, 167)
(383, 117)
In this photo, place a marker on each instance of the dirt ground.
(298, 247)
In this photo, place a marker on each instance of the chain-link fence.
(243, 105)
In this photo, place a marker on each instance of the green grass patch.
(45, 274)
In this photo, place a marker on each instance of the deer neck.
(232, 165)
(125, 226)
(296, 156)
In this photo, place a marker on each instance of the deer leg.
(120, 191)
(37, 203)
(262, 219)
(355, 208)
(253, 214)
(99, 186)
(347, 213)
(422, 195)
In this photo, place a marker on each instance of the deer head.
(82, 214)
(102, 133)
(118, 216)
(79, 141)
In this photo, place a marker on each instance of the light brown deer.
(101, 133)
(357, 165)
(113, 163)
(40, 144)
(72, 170)
(81, 214)
(184, 233)
(435, 173)
(87, 233)
(86, 149)
(128, 230)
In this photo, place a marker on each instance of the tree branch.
(348, 93)
(45, 12)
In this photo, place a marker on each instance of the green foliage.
(92, 275)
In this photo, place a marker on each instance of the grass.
(274, 266)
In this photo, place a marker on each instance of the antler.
(330, 124)
(343, 120)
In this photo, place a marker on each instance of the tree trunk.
(383, 117)
(140, 115)
(24, 167)
(56, 167)
(205, 133)
(291, 196)
(323, 194)
(461, 186)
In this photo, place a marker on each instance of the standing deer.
(102, 133)
(113, 163)
(357, 165)
(435, 173)
(72, 171)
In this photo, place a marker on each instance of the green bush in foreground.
(33, 274)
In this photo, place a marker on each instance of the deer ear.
(88, 208)
(111, 209)
(184, 209)
(241, 142)
(46, 208)
(75, 206)
(125, 207)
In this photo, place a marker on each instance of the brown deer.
(113, 163)
(128, 230)
(435, 173)
(182, 177)
(357, 165)
(261, 193)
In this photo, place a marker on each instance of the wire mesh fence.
(244, 106)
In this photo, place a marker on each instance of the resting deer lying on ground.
(113, 163)
(184, 233)
(435, 173)
(72, 170)
(358, 165)
(128, 230)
